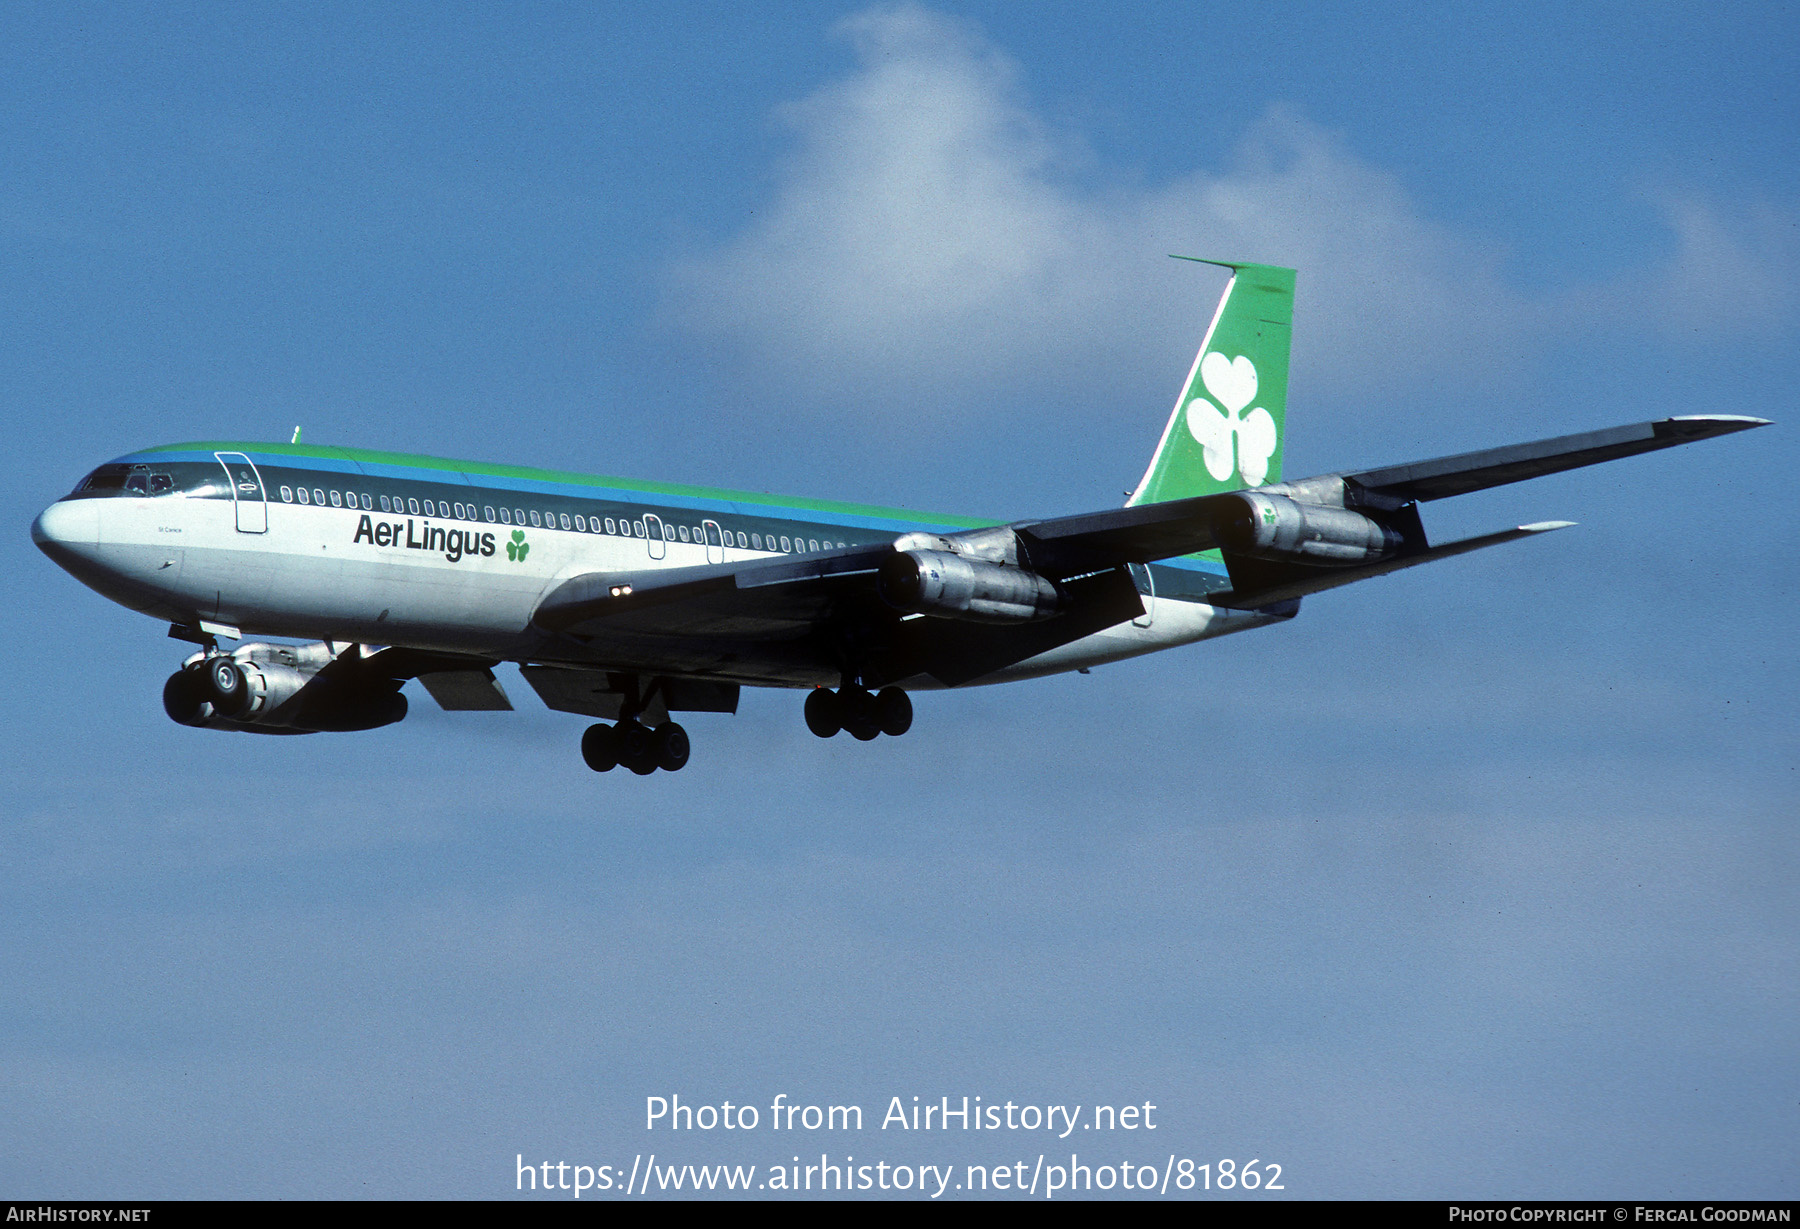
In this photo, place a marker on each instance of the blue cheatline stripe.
(746, 505)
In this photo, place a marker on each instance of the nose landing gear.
(858, 713)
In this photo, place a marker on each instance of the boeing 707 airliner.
(628, 601)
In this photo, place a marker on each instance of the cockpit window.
(106, 478)
(144, 481)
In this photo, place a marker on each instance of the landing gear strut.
(858, 713)
(635, 746)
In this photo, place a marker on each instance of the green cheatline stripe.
(566, 478)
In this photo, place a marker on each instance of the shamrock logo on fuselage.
(515, 549)
(1232, 382)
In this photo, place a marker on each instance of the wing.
(822, 612)
(1149, 532)
(827, 609)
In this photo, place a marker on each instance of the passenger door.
(246, 492)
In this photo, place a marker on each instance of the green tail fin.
(1226, 431)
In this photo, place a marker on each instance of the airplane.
(628, 601)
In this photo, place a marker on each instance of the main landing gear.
(633, 745)
(858, 713)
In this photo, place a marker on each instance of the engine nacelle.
(1283, 530)
(275, 689)
(949, 586)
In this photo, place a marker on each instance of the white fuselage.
(398, 578)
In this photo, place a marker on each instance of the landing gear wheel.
(859, 714)
(636, 751)
(669, 747)
(824, 715)
(600, 748)
(893, 711)
(226, 687)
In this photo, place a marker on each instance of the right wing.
(1070, 544)
(827, 605)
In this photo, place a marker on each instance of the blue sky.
(1473, 881)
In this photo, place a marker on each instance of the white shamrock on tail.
(1232, 382)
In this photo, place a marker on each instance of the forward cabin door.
(654, 528)
(715, 542)
(246, 492)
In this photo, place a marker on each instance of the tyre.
(227, 688)
(893, 711)
(600, 748)
(635, 749)
(669, 747)
(859, 715)
(824, 716)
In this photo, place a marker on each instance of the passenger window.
(505, 517)
(784, 543)
(610, 528)
(319, 497)
(565, 520)
(367, 504)
(580, 523)
(337, 499)
(536, 521)
(637, 529)
(413, 506)
(384, 504)
(287, 494)
(303, 496)
(487, 512)
(756, 541)
(682, 530)
(518, 516)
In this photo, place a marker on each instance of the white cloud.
(931, 232)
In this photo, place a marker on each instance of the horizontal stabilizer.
(1290, 581)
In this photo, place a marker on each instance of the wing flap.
(762, 598)
(466, 691)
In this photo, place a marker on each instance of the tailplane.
(1226, 431)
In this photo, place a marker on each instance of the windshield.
(150, 481)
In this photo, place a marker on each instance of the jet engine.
(1283, 530)
(279, 689)
(951, 586)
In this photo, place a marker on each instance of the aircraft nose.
(68, 530)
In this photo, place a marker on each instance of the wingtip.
(1545, 526)
(1726, 422)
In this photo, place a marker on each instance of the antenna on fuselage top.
(296, 438)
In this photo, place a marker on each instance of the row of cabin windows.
(545, 520)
